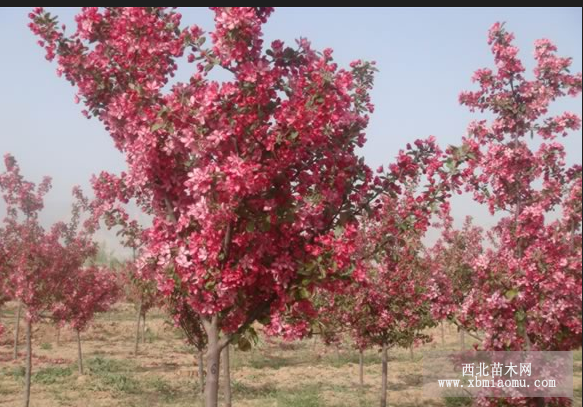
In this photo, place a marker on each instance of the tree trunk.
(540, 401)
(361, 369)
(137, 344)
(201, 371)
(28, 367)
(385, 380)
(79, 353)
(227, 378)
(143, 327)
(17, 330)
(412, 353)
(59, 336)
(463, 339)
(213, 363)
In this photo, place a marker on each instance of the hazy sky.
(425, 57)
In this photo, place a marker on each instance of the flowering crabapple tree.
(4, 294)
(453, 257)
(332, 324)
(15, 188)
(77, 240)
(107, 207)
(527, 293)
(242, 177)
(89, 290)
(503, 175)
(389, 299)
(36, 265)
(42, 267)
(392, 303)
(142, 293)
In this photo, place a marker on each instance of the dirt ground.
(274, 374)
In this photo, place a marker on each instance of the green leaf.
(266, 224)
(511, 294)
(520, 316)
(303, 293)
(209, 285)
(157, 126)
(308, 269)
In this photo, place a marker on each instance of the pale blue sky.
(425, 57)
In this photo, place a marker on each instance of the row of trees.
(262, 210)
(48, 272)
(59, 275)
(514, 287)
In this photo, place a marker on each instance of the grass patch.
(46, 346)
(52, 375)
(15, 373)
(99, 365)
(112, 375)
(162, 388)
(151, 336)
(344, 358)
(301, 397)
(268, 362)
(117, 382)
(241, 390)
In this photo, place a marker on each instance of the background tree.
(528, 285)
(37, 262)
(453, 257)
(4, 293)
(389, 300)
(89, 290)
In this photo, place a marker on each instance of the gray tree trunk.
(385, 379)
(79, 353)
(137, 344)
(361, 369)
(28, 366)
(227, 378)
(201, 371)
(144, 328)
(213, 363)
(17, 330)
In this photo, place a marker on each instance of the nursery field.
(263, 252)
(274, 373)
